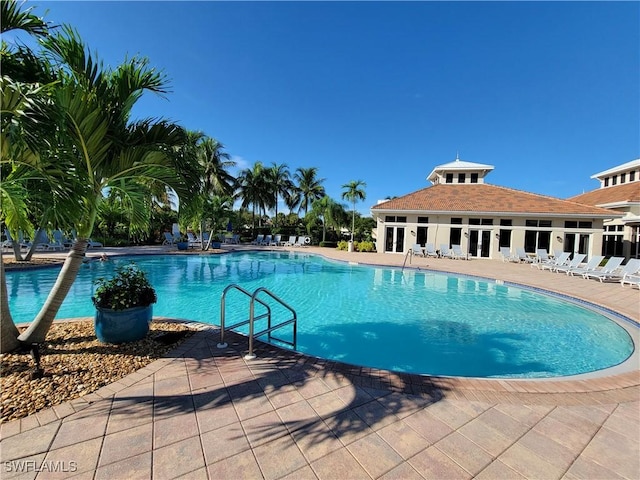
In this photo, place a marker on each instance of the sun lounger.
(574, 263)
(416, 250)
(276, 241)
(430, 250)
(593, 263)
(630, 279)
(445, 252)
(505, 253)
(291, 242)
(457, 252)
(265, 241)
(562, 259)
(193, 240)
(258, 240)
(606, 271)
(616, 274)
(522, 256)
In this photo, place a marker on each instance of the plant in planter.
(182, 243)
(124, 305)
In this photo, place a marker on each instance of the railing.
(252, 318)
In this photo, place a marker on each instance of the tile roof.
(486, 198)
(627, 192)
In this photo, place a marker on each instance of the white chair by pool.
(458, 253)
(616, 274)
(430, 250)
(591, 265)
(574, 263)
(258, 240)
(557, 262)
(416, 250)
(607, 269)
(291, 242)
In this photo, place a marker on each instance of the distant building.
(619, 192)
(459, 208)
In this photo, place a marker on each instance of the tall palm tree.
(309, 185)
(105, 150)
(354, 192)
(280, 183)
(252, 189)
(215, 164)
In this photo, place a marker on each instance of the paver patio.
(205, 412)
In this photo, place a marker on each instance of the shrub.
(329, 244)
(343, 245)
(128, 288)
(365, 246)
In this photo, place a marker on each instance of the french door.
(394, 239)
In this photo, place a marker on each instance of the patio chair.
(591, 265)
(291, 242)
(416, 250)
(266, 241)
(607, 269)
(430, 250)
(303, 241)
(458, 253)
(505, 253)
(522, 256)
(168, 239)
(560, 260)
(445, 252)
(59, 240)
(630, 279)
(277, 239)
(258, 240)
(616, 274)
(192, 240)
(574, 263)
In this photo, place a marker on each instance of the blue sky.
(547, 92)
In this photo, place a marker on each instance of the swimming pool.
(408, 321)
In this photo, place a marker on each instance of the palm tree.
(105, 150)
(280, 183)
(327, 210)
(215, 164)
(354, 192)
(309, 186)
(253, 190)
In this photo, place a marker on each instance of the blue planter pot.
(119, 326)
(216, 244)
(182, 245)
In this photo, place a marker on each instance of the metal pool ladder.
(252, 318)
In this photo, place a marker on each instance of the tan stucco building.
(460, 208)
(619, 192)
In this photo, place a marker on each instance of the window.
(474, 221)
(623, 177)
(570, 224)
(456, 221)
(474, 178)
(606, 181)
(487, 221)
(401, 219)
(455, 236)
(391, 218)
(614, 180)
(531, 223)
(423, 219)
(449, 178)
(544, 223)
(585, 225)
(461, 178)
(506, 222)
(632, 176)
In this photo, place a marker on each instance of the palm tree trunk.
(37, 331)
(8, 331)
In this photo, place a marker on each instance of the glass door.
(394, 239)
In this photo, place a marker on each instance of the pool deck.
(205, 412)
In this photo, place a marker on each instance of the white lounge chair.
(505, 253)
(303, 241)
(168, 239)
(258, 240)
(630, 279)
(457, 252)
(291, 242)
(445, 252)
(277, 239)
(522, 256)
(430, 250)
(616, 274)
(193, 240)
(560, 260)
(607, 269)
(574, 263)
(416, 250)
(593, 263)
(266, 241)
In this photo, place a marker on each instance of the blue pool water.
(408, 321)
